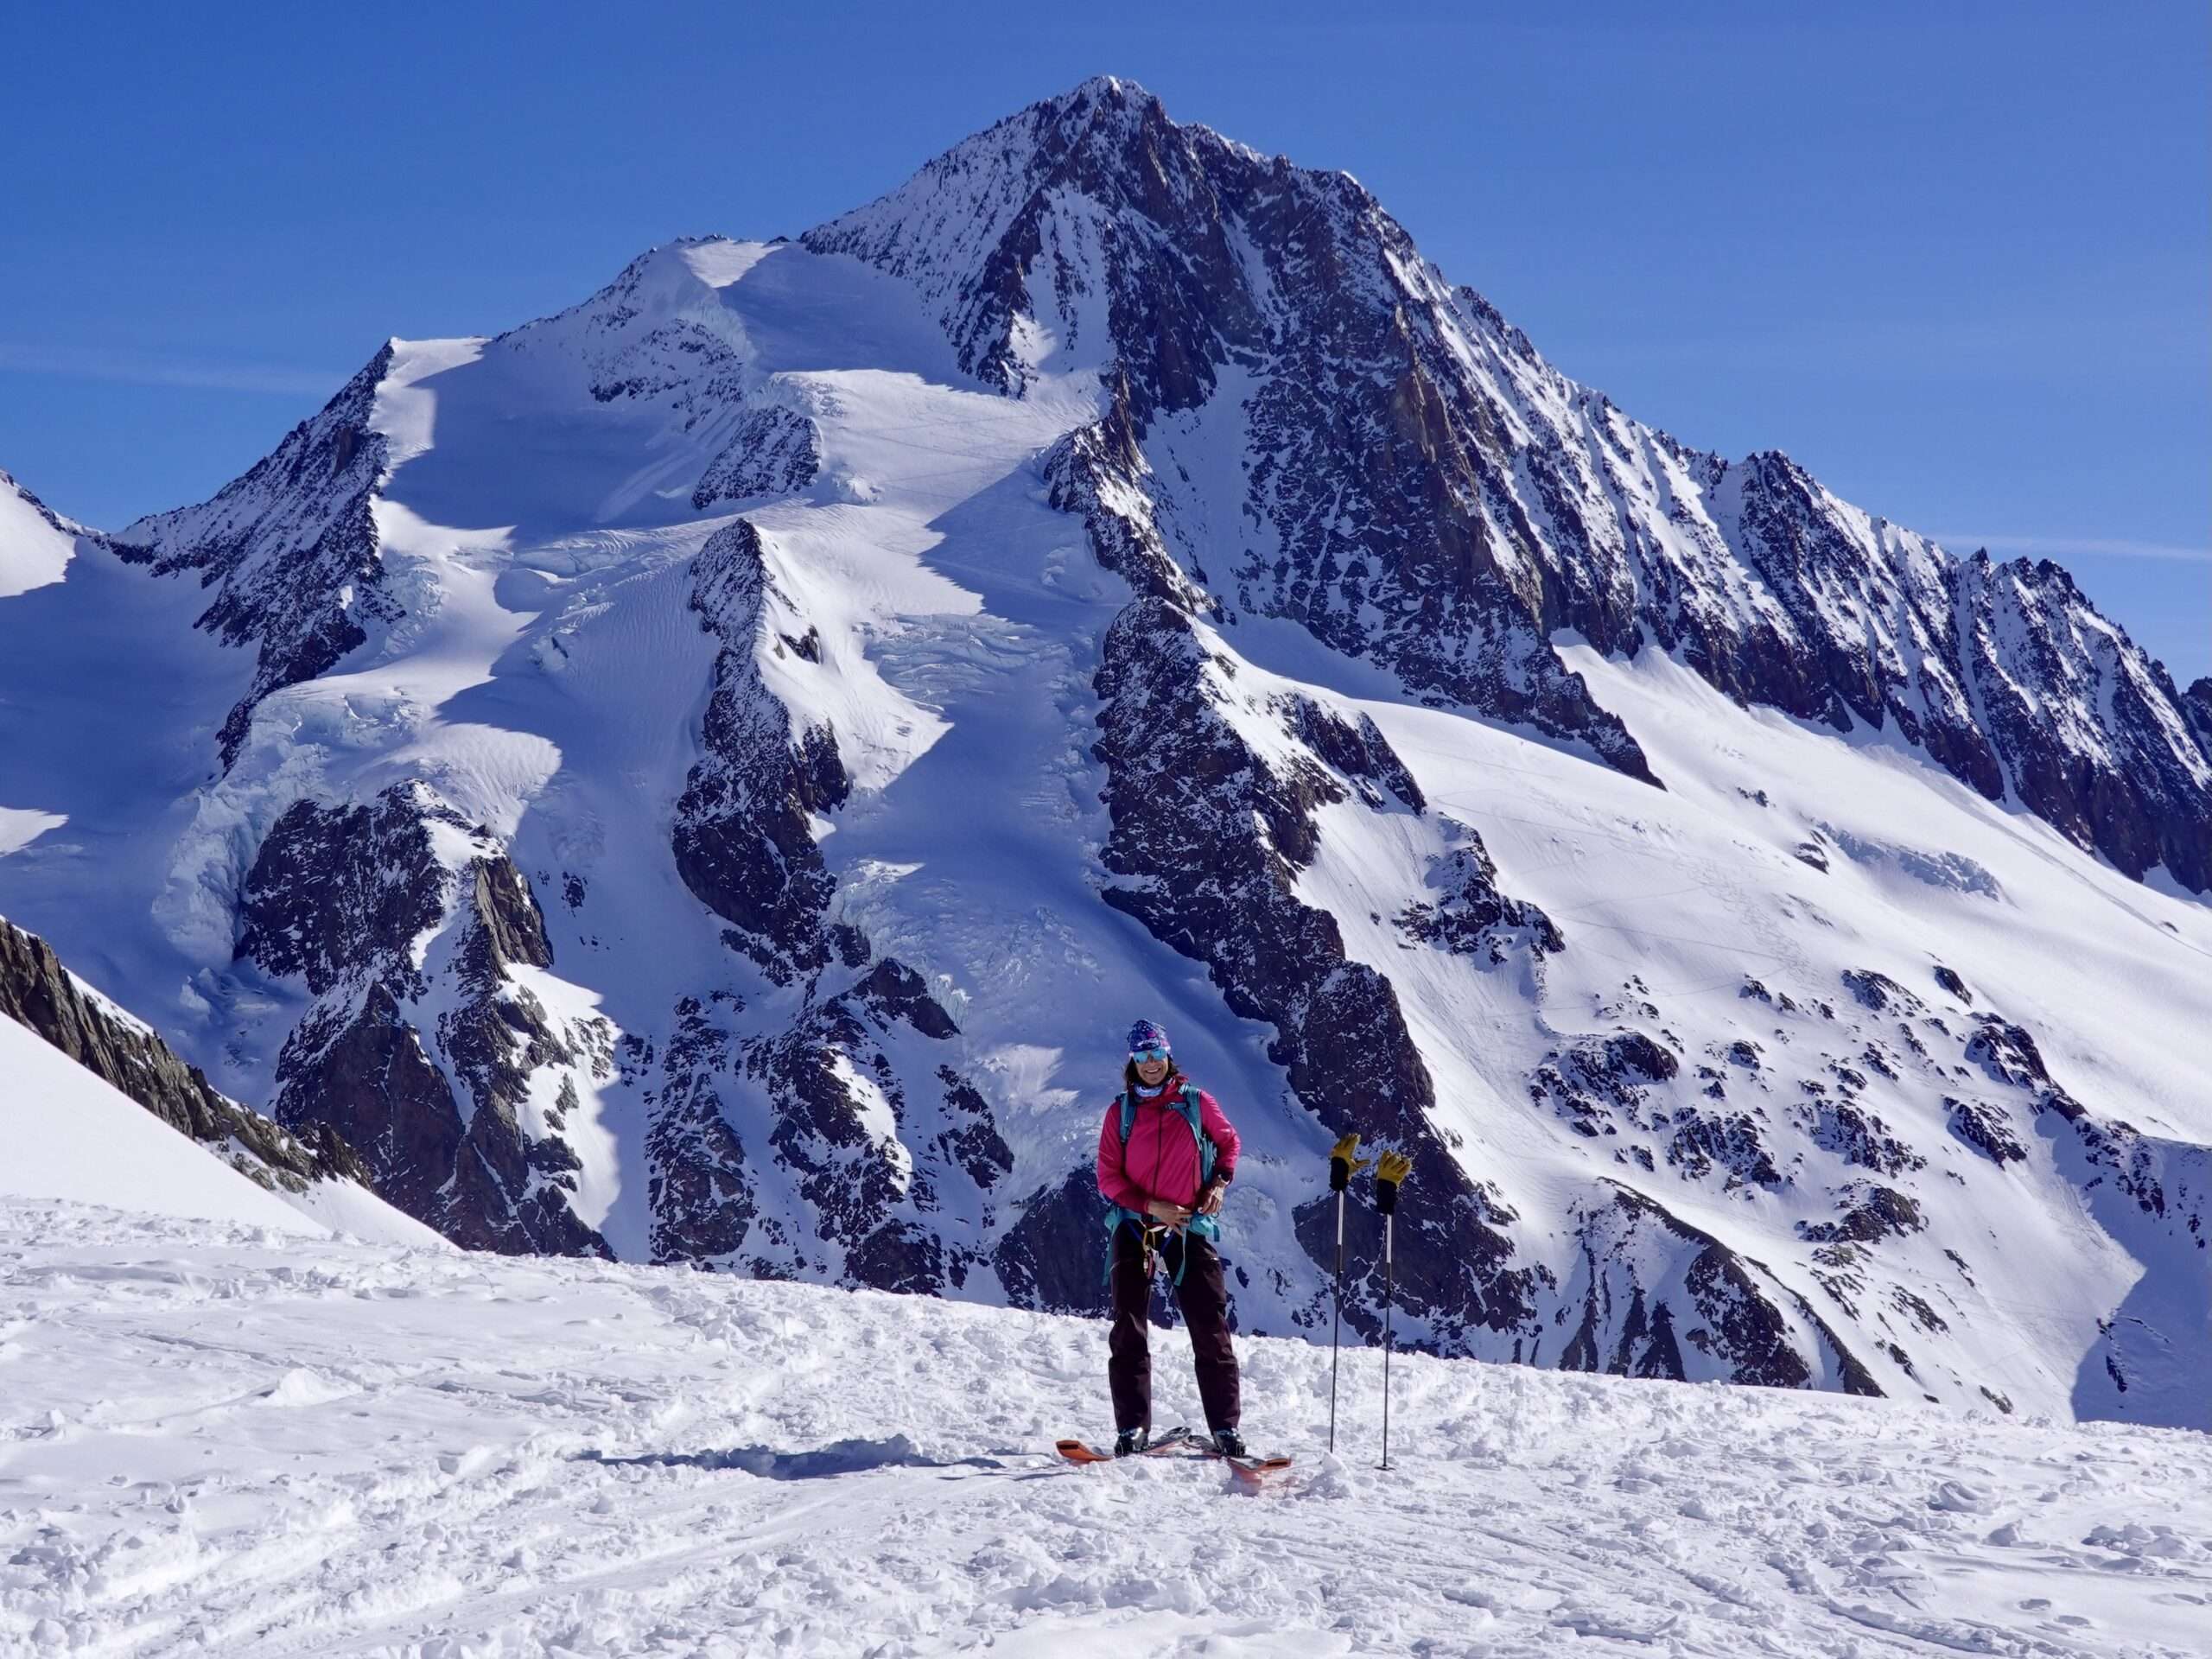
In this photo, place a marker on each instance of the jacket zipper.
(1159, 1151)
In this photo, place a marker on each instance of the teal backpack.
(1185, 1106)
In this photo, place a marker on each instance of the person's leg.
(1129, 1349)
(1204, 1295)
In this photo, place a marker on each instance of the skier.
(1165, 1154)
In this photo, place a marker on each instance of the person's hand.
(1174, 1214)
(1209, 1204)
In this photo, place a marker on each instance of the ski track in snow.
(218, 1438)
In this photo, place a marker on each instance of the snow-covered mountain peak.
(1028, 240)
(720, 760)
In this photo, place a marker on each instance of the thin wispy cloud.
(2060, 547)
(141, 369)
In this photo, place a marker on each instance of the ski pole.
(1342, 1162)
(1394, 1168)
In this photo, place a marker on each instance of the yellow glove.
(1394, 1168)
(1344, 1162)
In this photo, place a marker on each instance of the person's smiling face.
(1151, 1066)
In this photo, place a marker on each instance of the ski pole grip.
(1341, 1156)
(1394, 1168)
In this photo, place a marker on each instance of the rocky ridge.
(422, 1046)
(1415, 484)
(41, 994)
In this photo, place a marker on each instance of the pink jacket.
(1161, 1159)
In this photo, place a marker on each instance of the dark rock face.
(1703, 1141)
(1421, 490)
(2049, 671)
(2007, 1053)
(772, 451)
(1651, 1284)
(39, 993)
(1875, 1213)
(878, 1162)
(701, 1191)
(1364, 757)
(308, 909)
(1598, 1083)
(291, 548)
(893, 1160)
(340, 898)
(1207, 839)
(1054, 1257)
(1471, 918)
(743, 840)
(1878, 992)
(1858, 1136)
(1095, 471)
(2196, 710)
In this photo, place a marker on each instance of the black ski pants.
(1204, 1298)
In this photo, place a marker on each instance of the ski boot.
(1228, 1443)
(1130, 1441)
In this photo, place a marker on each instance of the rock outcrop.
(37, 992)
(421, 1047)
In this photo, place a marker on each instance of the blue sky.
(1953, 257)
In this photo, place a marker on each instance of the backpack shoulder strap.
(1128, 1115)
(1195, 1115)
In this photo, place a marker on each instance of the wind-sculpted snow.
(392, 1453)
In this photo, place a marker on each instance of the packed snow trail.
(218, 1438)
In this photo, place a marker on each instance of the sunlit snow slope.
(69, 1135)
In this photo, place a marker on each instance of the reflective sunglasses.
(1141, 1055)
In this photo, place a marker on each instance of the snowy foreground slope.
(218, 1438)
(708, 776)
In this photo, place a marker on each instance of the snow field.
(1671, 901)
(215, 1437)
